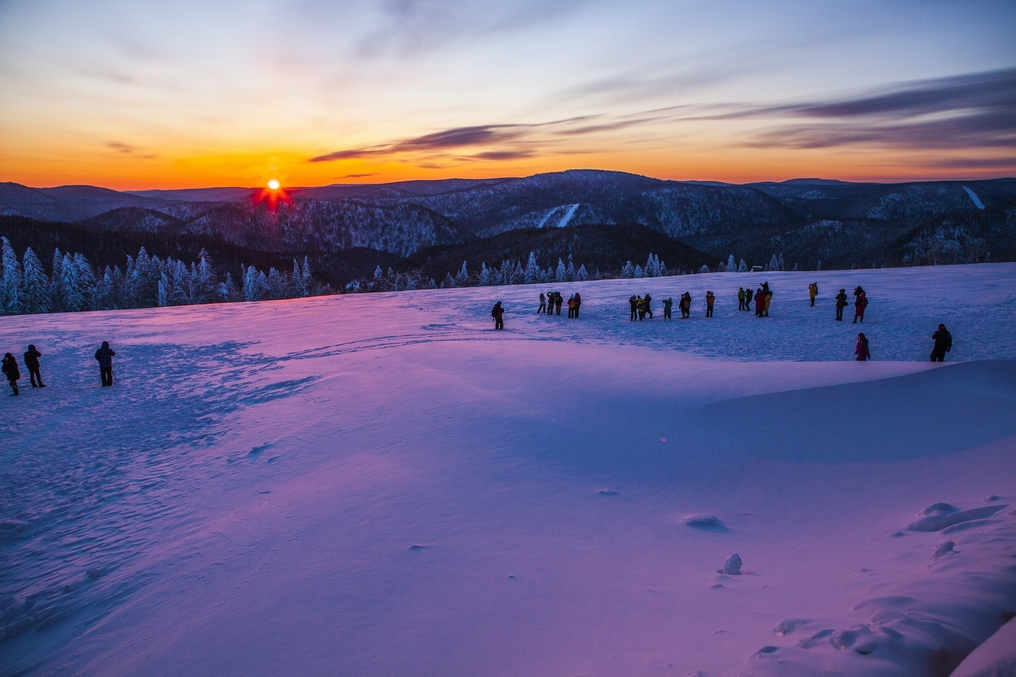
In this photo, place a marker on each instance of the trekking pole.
(113, 374)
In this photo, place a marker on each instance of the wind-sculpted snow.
(382, 484)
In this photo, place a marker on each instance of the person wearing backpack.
(813, 292)
(11, 371)
(943, 344)
(497, 312)
(860, 303)
(710, 300)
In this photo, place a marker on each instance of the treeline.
(72, 284)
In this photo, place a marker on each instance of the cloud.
(121, 147)
(967, 111)
(357, 176)
(976, 163)
(459, 137)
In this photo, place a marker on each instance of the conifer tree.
(10, 284)
(35, 285)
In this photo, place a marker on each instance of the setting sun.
(273, 184)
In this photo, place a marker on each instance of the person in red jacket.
(861, 350)
(860, 303)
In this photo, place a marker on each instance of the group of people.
(860, 303)
(642, 306)
(12, 372)
(553, 301)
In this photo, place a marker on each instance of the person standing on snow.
(578, 303)
(861, 349)
(710, 300)
(11, 371)
(768, 300)
(497, 312)
(558, 300)
(841, 303)
(634, 303)
(860, 303)
(685, 305)
(668, 304)
(649, 308)
(543, 304)
(740, 298)
(105, 357)
(760, 302)
(813, 292)
(571, 306)
(32, 364)
(943, 344)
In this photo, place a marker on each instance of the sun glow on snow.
(273, 184)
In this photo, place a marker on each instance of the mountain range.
(600, 217)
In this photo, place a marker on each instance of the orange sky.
(132, 96)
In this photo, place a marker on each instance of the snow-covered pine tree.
(561, 274)
(570, 270)
(85, 282)
(704, 269)
(628, 270)
(308, 280)
(742, 267)
(276, 284)
(581, 274)
(449, 282)
(10, 284)
(462, 277)
(731, 264)
(34, 285)
(774, 263)
(533, 271)
(162, 296)
(378, 273)
(796, 268)
(779, 263)
(639, 272)
(205, 281)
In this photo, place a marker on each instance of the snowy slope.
(381, 484)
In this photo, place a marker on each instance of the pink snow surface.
(383, 485)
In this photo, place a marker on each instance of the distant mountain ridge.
(808, 220)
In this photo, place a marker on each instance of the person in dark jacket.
(943, 344)
(685, 305)
(543, 304)
(558, 300)
(497, 312)
(668, 304)
(11, 371)
(105, 357)
(860, 303)
(32, 363)
(634, 303)
(649, 305)
(710, 300)
(861, 349)
(760, 302)
(578, 303)
(841, 303)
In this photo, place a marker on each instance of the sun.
(273, 184)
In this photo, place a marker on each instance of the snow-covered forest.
(146, 281)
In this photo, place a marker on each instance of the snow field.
(381, 484)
